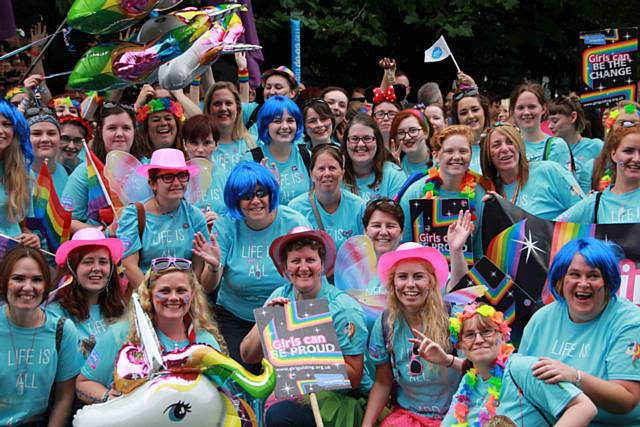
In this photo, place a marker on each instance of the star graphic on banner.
(529, 245)
(493, 273)
(510, 293)
(305, 315)
(469, 282)
(263, 312)
(287, 388)
(311, 304)
(627, 36)
(453, 203)
(317, 331)
(416, 203)
(428, 228)
(600, 87)
(629, 81)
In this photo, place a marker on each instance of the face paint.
(185, 299)
(161, 297)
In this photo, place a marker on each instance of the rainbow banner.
(300, 341)
(526, 254)
(609, 72)
(431, 218)
(50, 218)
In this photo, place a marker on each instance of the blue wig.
(596, 253)
(242, 182)
(272, 109)
(20, 129)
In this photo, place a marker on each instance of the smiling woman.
(160, 120)
(44, 132)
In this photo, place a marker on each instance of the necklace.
(492, 401)
(515, 193)
(467, 188)
(22, 370)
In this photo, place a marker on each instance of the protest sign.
(609, 71)
(300, 341)
(431, 218)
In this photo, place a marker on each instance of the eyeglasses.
(382, 114)
(358, 99)
(415, 365)
(314, 100)
(470, 336)
(159, 265)
(34, 111)
(382, 201)
(168, 178)
(66, 139)
(354, 139)
(259, 193)
(413, 132)
(463, 94)
(629, 124)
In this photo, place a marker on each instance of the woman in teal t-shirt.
(541, 188)
(411, 130)
(40, 356)
(595, 339)
(174, 300)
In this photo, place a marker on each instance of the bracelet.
(105, 396)
(196, 81)
(578, 381)
(214, 270)
(243, 75)
(453, 360)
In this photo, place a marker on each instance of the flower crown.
(56, 102)
(613, 115)
(160, 104)
(470, 310)
(14, 91)
(79, 120)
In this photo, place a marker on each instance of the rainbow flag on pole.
(49, 215)
(102, 203)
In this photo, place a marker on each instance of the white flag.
(437, 52)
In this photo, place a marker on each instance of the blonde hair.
(199, 309)
(16, 182)
(433, 316)
(239, 130)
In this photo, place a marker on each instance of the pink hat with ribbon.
(89, 237)
(169, 159)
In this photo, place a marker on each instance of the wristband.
(453, 360)
(578, 381)
(196, 81)
(105, 396)
(243, 75)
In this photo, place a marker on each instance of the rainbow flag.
(49, 215)
(99, 208)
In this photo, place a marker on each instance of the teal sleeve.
(560, 153)
(350, 327)
(221, 231)
(75, 193)
(581, 213)
(397, 178)
(199, 222)
(552, 398)
(277, 293)
(205, 337)
(247, 110)
(622, 359)
(359, 229)
(377, 346)
(569, 191)
(70, 359)
(128, 231)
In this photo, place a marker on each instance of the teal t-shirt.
(416, 191)
(549, 191)
(167, 235)
(603, 347)
(584, 152)
(294, 178)
(345, 222)
(410, 168)
(392, 179)
(75, 196)
(99, 366)
(213, 198)
(95, 326)
(613, 209)
(227, 156)
(558, 151)
(247, 110)
(31, 366)
(429, 392)
(551, 399)
(348, 319)
(249, 275)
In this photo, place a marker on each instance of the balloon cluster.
(174, 48)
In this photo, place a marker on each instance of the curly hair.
(199, 309)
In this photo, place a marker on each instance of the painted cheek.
(161, 297)
(185, 299)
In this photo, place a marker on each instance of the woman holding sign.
(304, 257)
(595, 339)
(542, 188)
(618, 202)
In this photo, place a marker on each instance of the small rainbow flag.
(504, 250)
(53, 220)
(100, 196)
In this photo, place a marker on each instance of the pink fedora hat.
(276, 250)
(89, 237)
(412, 250)
(170, 159)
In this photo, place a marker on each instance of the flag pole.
(451, 54)
(104, 189)
(19, 241)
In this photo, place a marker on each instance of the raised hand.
(208, 251)
(241, 60)
(428, 349)
(460, 230)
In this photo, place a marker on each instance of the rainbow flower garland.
(613, 115)
(14, 91)
(606, 180)
(433, 183)
(470, 310)
(157, 105)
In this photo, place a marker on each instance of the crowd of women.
(292, 179)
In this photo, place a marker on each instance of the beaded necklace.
(461, 407)
(467, 188)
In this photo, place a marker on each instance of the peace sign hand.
(428, 349)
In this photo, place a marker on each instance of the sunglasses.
(316, 100)
(415, 365)
(66, 139)
(358, 99)
(259, 193)
(463, 94)
(629, 124)
(168, 178)
(34, 111)
(382, 201)
(158, 265)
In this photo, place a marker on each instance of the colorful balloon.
(109, 16)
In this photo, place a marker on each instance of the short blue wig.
(20, 129)
(242, 182)
(598, 254)
(272, 109)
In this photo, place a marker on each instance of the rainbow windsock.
(54, 220)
